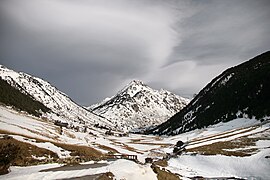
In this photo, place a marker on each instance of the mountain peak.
(2, 67)
(133, 88)
(136, 82)
(138, 105)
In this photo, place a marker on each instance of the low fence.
(123, 156)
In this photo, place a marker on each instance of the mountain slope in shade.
(51, 97)
(11, 96)
(139, 106)
(240, 91)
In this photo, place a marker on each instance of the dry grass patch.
(157, 138)
(214, 135)
(131, 149)
(136, 140)
(38, 140)
(229, 148)
(70, 135)
(127, 147)
(106, 148)
(106, 176)
(84, 152)
(163, 174)
(162, 163)
(218, 136)
(57, 129)
(27, 152)
(157, 144)
(48, 135)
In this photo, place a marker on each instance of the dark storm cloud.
(217, 35)
(224, 30)
(90, 49)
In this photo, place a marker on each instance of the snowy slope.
(239, 91)
(253, 167)
(188, 165)
(129, 170)
(137, 106)
(51, 97)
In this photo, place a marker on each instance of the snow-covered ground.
(253, 167)
(122, 169)
(26, 128)
(256, 166)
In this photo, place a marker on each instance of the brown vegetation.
(127, 147)
(227, 147)
(106, 176)
(219, 136)
(162, 163)
(69, 134)
(136, 140)
(24, 158)
(8, 153)
(84, 152)
(106, 148)
(157, 144)
(14, 152)
(163, 174)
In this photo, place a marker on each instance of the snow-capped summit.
(51, 97)
(139, 106)
(132, 88)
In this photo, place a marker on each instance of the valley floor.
(239, 149)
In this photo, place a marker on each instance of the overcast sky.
(91, 49)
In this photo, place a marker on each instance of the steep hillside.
(50, 97)
(240, 91)
(11, 96)
(137, 106)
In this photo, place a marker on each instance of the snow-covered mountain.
(240, 91)
(139, 106)
(62, 106)
(135, 106)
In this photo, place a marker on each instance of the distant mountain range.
(135, 106)
(139, 106)
(240, 91)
